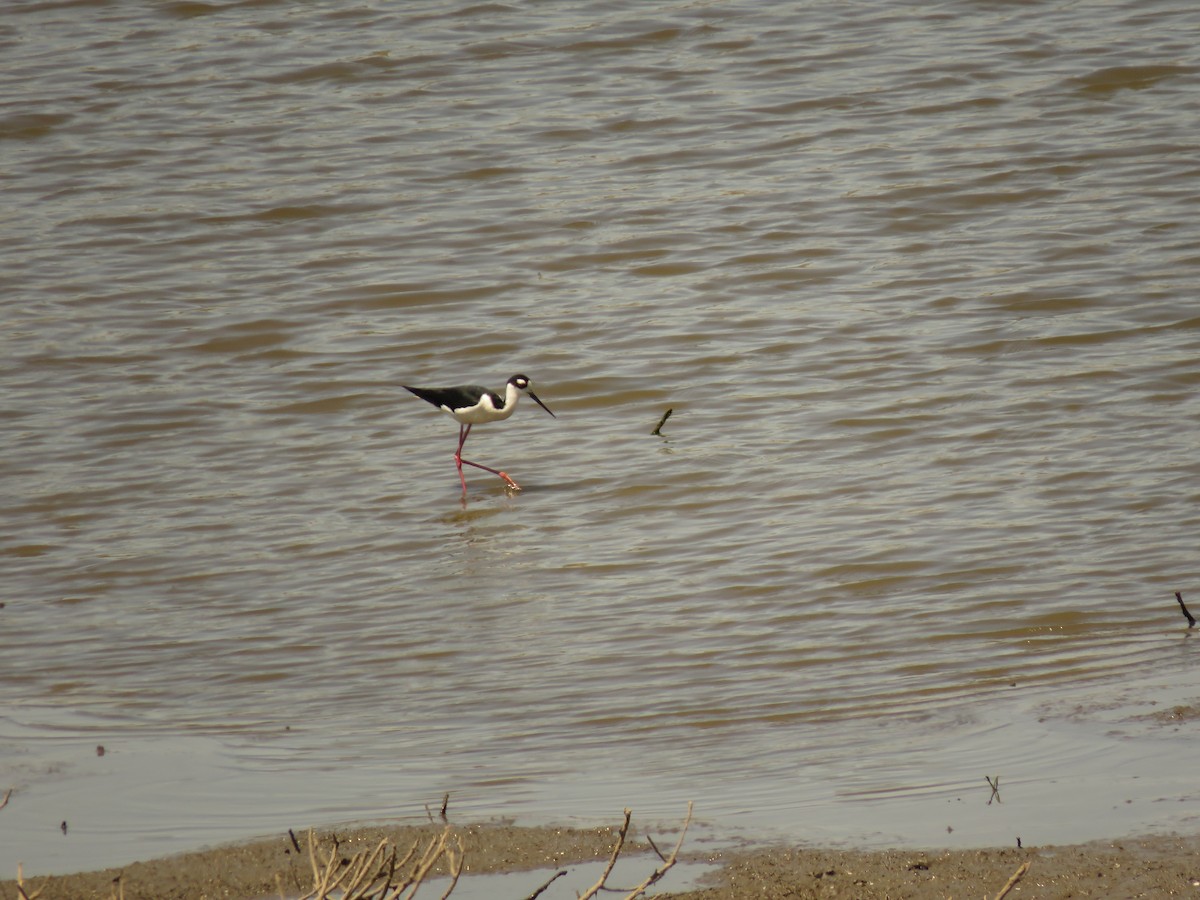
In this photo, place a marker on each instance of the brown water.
(919, 285)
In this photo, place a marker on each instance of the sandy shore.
(1146, 867)
(1150, 867)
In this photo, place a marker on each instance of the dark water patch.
(31, 126)
(245, 337)
(1111, 79)
(404, 295)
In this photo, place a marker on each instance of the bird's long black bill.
(534, 398)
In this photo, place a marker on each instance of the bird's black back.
(459, 397)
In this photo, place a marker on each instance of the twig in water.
(995, 786)
(661, 422)
(1187, 615)
(557, 875)
(654, 847)
(442, 812)
(4, 802)
(1012, 882)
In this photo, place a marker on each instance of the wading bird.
(475, 405)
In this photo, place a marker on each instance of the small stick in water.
(557, 875)
(1187, 615)
(661, 422)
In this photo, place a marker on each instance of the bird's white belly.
(481, 414)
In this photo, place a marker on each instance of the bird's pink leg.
(460, 462)
(463, 431)
(512, 484)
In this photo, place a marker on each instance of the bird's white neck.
(512, 394)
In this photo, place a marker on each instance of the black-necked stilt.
(475, 405)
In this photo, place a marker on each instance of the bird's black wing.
(453, 397)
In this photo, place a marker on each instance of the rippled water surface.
(919, 285)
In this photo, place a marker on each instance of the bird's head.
(524, 384)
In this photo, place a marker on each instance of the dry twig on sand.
(23, 894)
(1012, 882)
(376, 874)
(667, 861)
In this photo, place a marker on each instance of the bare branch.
(658, 873)
(557, 875)
(371, 874)
(23, 894)
(1187, 615)
(654, 847)
(1012, 882)
(375, 873)
(612, 861)
(454, 863)
(661, 422)
(995, 786)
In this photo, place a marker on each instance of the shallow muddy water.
(919, 286)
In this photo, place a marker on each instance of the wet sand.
(1143, 867)
(1149, 867)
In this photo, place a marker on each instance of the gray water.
(919, 285)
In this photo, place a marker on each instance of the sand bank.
(1144, 867)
